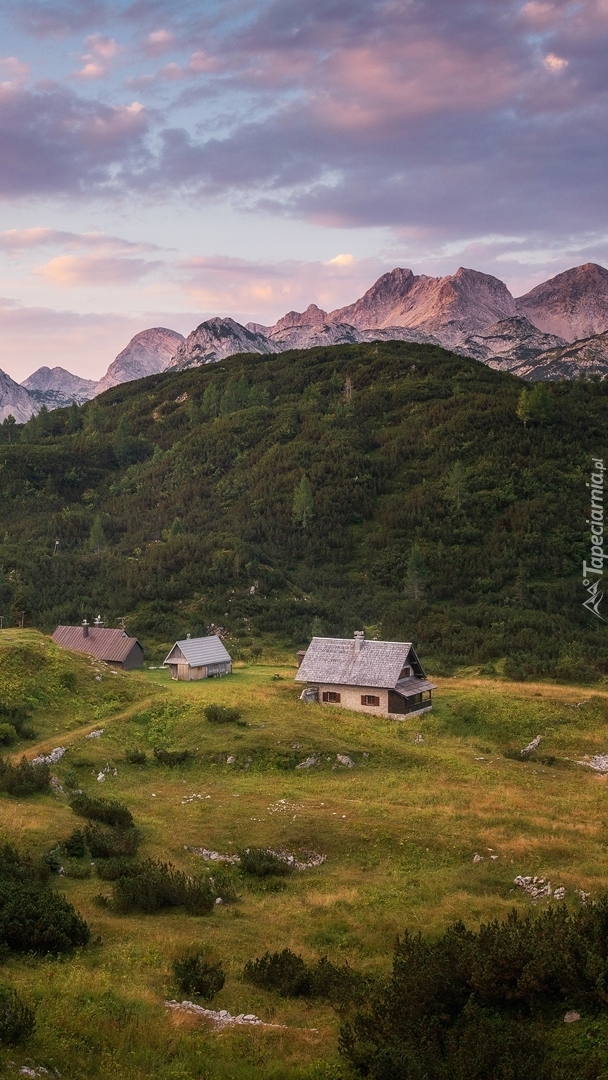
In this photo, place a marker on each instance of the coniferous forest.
(390, 486)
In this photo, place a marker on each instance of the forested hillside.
(386, 485)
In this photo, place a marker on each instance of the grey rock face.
(573, 305)
(217, 338)
(509, 342)
(148, 353)
(56, 387)
(586, 357)
(15, 400)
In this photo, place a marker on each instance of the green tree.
(416, 574)
(230, 401)
(303, 505)
(97, 538)
(523, 407)
(211, 401)
(74, 422)
(541, 406)
(456, 485)
(9, 425)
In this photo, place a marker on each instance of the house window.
(406, 672)
(369, 699)
(329, 695)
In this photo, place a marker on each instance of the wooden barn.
(384, 678)
(114, 647)
(199, 658)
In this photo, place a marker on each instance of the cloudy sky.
(163, 162)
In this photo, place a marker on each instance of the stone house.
(384, 678)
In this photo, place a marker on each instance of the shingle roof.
(408, 687)
(335, 660)
(202, 650)
(113, 646)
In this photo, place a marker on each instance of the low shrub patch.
(285, 972)
(34, 918)
(108, 811)
(112, 869)
(24, 778)
(110, 844)
(171, 757)
(152, 886)
(222, 714)
(196, 974)
(75, 846)
(263, 863)
(17, 1022)
(77, 868)
(136, 757)
(8, 734)
(16, 716)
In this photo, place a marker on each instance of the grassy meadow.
(399, 831)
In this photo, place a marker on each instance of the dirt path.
(66, 739)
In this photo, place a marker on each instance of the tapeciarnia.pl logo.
(593, 571)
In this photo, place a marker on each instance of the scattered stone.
(539, 888)
(307, 860)
(344, 759)
(221, 1017)
(101, 777)
(230, 760)
(494, 857)
(599, 763)
(212, 856)
(584, 896)
(95, 734)
(50, 759)
(534, 745)
(308, 763)
(56, 785)
(571, 1017)
(418, 737)
(477, 858)
(191, 798)
(219, 900)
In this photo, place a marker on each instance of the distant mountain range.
(558, 330)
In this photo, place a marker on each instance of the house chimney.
(187, 637)
(359, 636)
(85, 628)
(98, 621)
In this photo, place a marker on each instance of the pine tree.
(456, 484)
(211, 401)
(97, 538)
(303, 503)
(415, 577)
(523, 407)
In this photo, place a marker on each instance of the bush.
(221, 714)
(22, 868)
(262, 863)
(136, 757)
(24, 778)
(478, 1005)
(112, 869)
(106, 810)
(34, 918)
(171, 757)
(195, 974)
(76, 868)
(110, 844)
(223, 885)
(17, 1022)
(152, 886)
(8, 735)
(75, 846)
(285, 972)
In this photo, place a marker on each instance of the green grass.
(399, 831)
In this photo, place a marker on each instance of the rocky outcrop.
(56, 387)
(573, 305)
(508, 343)
(148, 353)
(15, 400)
(588, 357)
(217, 338)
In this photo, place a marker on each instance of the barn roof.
(113, 646)
(202, 650)
(337, 661)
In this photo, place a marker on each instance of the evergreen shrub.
(196, 974)
(111, 843)
(17, 1022)
(263, 863)
(24, 778)
(136, 757)
(222, 714)
(152, 886)
(171, 757)
(8, 734)
(109, 811)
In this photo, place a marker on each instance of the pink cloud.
(95, 270)
(158, 42)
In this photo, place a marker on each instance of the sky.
(161, 163)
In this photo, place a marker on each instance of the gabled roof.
(113, 646)
(201, 651)
(336, 660)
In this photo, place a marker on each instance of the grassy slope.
(399, 831)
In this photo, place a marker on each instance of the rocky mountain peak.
(148, 353)
(56, 387)
(216, 338)
(573, 304)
